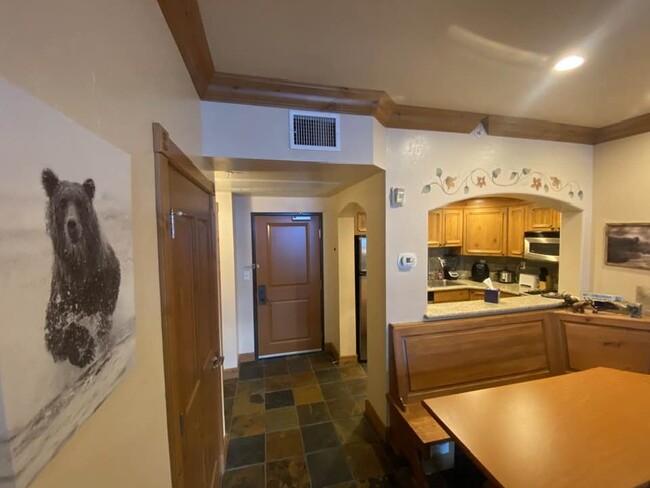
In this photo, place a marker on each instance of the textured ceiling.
(484, 56)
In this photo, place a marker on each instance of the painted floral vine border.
(480, 177)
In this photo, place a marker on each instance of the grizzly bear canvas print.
(66, 268)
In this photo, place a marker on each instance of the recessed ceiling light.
(570, 62)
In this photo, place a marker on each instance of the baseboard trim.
(347, 359)
(231, 373)
(375, 421)
(331, 349)
(246, 357)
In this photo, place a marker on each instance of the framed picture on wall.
(628, 245)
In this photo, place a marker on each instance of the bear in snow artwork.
(85, 273)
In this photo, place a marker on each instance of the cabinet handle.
(612, 343)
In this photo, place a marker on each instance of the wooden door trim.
(166, 155)
(322, 290)
(162, 144)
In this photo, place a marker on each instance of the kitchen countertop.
(475, 308)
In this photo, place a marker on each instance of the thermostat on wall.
(397, 197)
(406, 261)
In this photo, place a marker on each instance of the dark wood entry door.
(191, 321)
(288, 294)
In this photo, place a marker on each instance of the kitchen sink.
(433, 283)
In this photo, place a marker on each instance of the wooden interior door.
(288, 283)
(187, 235)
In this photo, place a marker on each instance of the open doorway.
(352, 283)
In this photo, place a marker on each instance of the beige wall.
(621, 182)
(113, 67)
(369, 194)
(227, 278)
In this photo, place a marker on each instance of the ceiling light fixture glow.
(570, 62)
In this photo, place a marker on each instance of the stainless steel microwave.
(542, 246)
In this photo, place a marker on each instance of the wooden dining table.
(583, 429)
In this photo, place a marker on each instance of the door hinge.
(172, 226)
(181, 421)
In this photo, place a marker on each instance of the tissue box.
(492, 296)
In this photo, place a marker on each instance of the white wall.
(244, 131)
(227, 279)
(412, 160)
(243, 207)
(621, 182)
(114, 68)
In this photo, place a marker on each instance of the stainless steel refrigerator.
(361, 297)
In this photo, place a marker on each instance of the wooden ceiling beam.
(624, 128)
(184, 20)
(254, 90)
(500, 125)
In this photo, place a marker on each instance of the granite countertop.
(475, 308)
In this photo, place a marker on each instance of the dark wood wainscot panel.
(613, 341)
(441, 358)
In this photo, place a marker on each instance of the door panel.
(189, 281)
(288, 249)
(289, 257)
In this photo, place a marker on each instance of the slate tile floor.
(298, 422)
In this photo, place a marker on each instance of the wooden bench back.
(436, 358)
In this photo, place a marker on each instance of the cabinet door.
(435, 228)
(485, 231)
(476, 295)
(516, 228)
(445, 296)
(542, 218)
(452, 227)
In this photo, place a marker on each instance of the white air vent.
(314, 130)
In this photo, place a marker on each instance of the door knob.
(217, 361)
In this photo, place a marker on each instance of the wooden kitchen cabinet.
(446, 296)
(435, 228)
(516, 229)
(480, 295)
(446, 227)
(543, 218)
(452, 226)
(485, 231)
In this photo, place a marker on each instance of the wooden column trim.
(184, 20)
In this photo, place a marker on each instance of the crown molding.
(624, 128)
(501, 125)
(184, 20)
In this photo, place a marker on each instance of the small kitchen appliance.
(506, 276)
(542, 246)
(529, 280)
(480, 271)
